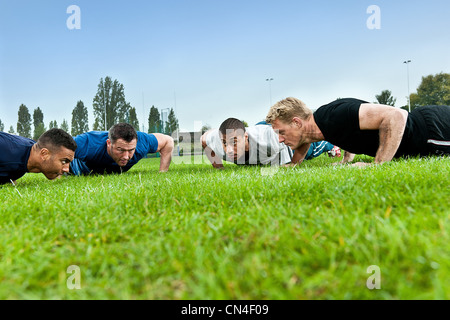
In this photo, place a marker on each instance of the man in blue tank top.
(117, 150)
(359, 127)
(51, 155)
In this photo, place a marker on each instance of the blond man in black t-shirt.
(359, 127)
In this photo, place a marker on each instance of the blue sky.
(210, 59)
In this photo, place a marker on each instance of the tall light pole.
(270, 89)
(407, 72)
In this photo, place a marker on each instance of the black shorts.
(437, 119)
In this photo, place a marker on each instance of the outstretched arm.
(390, 122)
(165, 149)
(215, 160)
(300, 154)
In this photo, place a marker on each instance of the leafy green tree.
(80, 120)
(433, 90)
(386, 98)
(2, 126)
(205, 128)
(245, 123)
(65, 126)
(38, 131)
(24, 122)
(132, 118)
(11, 130)
(110, 96)
(52, 124)
(154, 120)
(172, 122)
(96, 126)
(38, 122)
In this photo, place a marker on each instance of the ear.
(44, 153)
(296, 121)
(108, 143)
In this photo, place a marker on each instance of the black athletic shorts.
(437, 119)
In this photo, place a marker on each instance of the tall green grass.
(194, 232)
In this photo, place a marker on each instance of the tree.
(24, 122)
(96, 126)
(80, 121)
(38, 122)
(434, 90)
(172, 122)
(53, 124)
(2, 126)
(132, 119)
(110, 96)
(11, 130)
(38, 131)
(386, 98)
(205, 128)
(154, 122)
(65, 126)
(245, 123)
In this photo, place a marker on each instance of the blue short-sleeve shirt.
(91, 155)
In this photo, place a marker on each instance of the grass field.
(309, 232)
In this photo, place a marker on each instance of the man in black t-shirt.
(359, 127)
(51, 155)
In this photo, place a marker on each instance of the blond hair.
(287, 109)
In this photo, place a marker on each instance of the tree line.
(433, 90)
(110, 107)
(110, 98)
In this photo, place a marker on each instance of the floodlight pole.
(270, 89)
(407, 72)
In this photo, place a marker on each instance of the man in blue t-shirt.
(359, 127)
(117, 150)
(51, 155)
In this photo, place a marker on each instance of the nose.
(127, 155)
(280, 138)
(66, 168)
(230, 150)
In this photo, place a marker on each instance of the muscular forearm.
(391, 134)
(166, 155)
(390, 123)
(166, 158)
(300, 154)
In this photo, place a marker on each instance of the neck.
(313, 130)
(33, 160)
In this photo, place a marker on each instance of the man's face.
(121, 151)
(235, 144)
(55, 164)
(289, 133)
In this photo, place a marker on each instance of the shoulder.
(339, 111)
(211, 136)
(148, 142)
(340, 105)
(263, 135)
(90, 142)
(260, 131)
(91, 137)
(11, 139)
